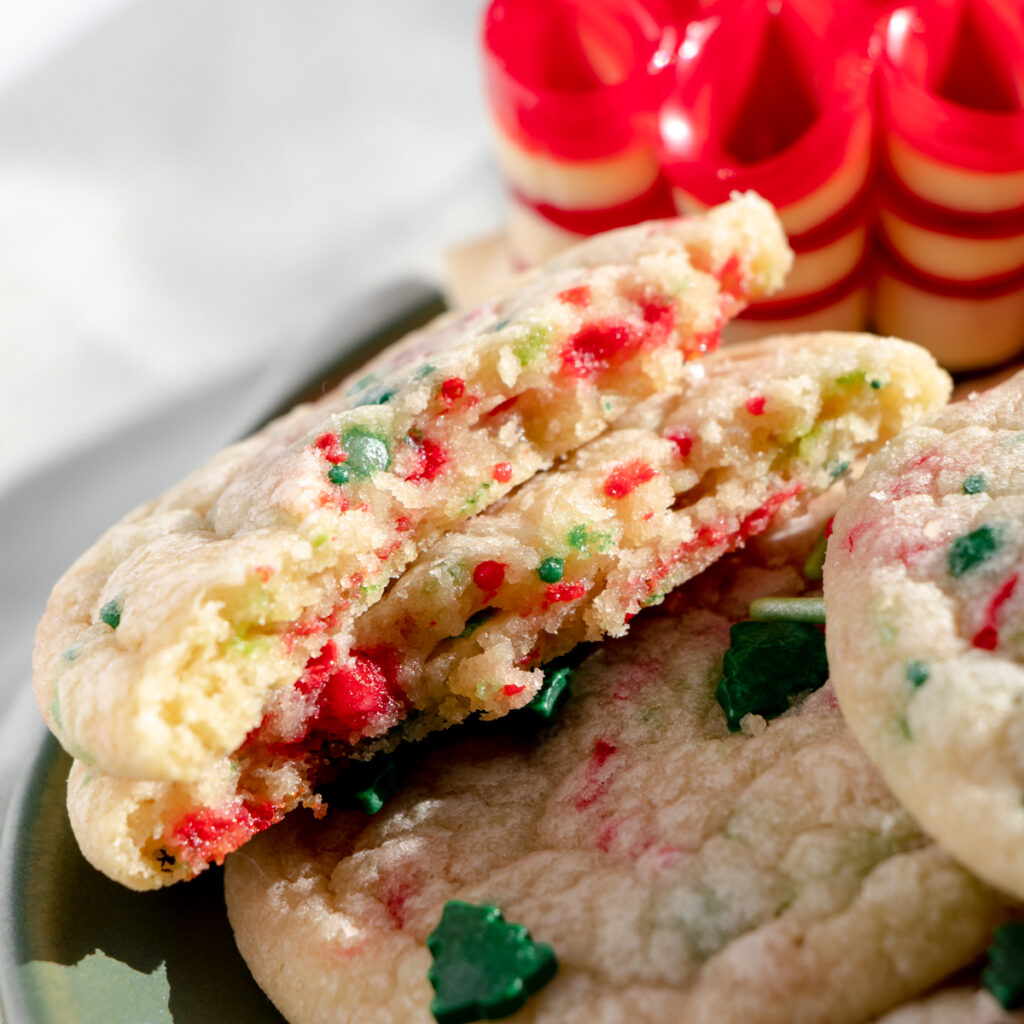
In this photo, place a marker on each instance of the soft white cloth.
(189, 192)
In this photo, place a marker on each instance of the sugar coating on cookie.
(571, 555)
(161, 646)
(925, 611)
(678, 871)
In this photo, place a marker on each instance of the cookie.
(925, 617)
(572, 555)
(676, 870)
(160, 647)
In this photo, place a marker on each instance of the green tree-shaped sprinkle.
(1004, 974)
(484, 967)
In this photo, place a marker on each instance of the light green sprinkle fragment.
(788, 609)
(110, 613)
(814, 566)
(917, 672)
(535, 342)
(975, 484)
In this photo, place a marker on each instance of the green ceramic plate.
(81, 949)
(76, 948)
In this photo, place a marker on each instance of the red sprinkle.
(626, 478)
(210, 835)
(489, 576)
(264, 572)
(402, 524)
(503, 406)
(452, 390)
(682, 441)
(511, 689)
(318, 670)
(755, 405)
(595, 347)
(330, 448)
(556, 593)
(579, 296)
(363, 697)
(502, 472)
(731, 278)
(431, 458)
(987, 638)
(597, 774)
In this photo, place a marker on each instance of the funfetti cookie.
(571, 555)
(925, 612)
(161, 646)
(664, 867)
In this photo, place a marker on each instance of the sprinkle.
(452, 390)
(917, 672)
(559, 592)
(975, 484)
(502, 472)
(626, 478)
(578, 296)
(551, 570)
(682, 441)
(755, 405)
(1004, 974)
(766, 664)
(338, 475)
(483, 967)
(110, 613)
(815, 564)
(489, 575)
(788, 609)
(368, 453)
(973, 548)
(552, 695)
(328, 446)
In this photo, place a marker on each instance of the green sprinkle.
(903, 725)
(551, 570)
(917, 672)
(532, 345)
(1003, 976)
(500, 325)
(385, 397)
(379, 785)
(816, 559)
(476, 620)
(484, 967)
(582, 538)
(973, 548)
(110, 613)
(368, 453)
(876, 384)
(837, 467)
(552, 695)
(851, 379)
(766, 664)
(975, 484)
(338, 475)
(424, 371)
(362, 384)
(788, 609)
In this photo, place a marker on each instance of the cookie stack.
(952, 198)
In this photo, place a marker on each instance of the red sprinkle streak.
(366, 694)
(431, 458)
(755, 405)
(210, 835)
(597, 776)
(626, 478)
(987, 638)
(559, 592)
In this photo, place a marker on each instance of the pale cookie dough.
(571, 555)
(680, 872)
(162, 645)
(925, 613)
